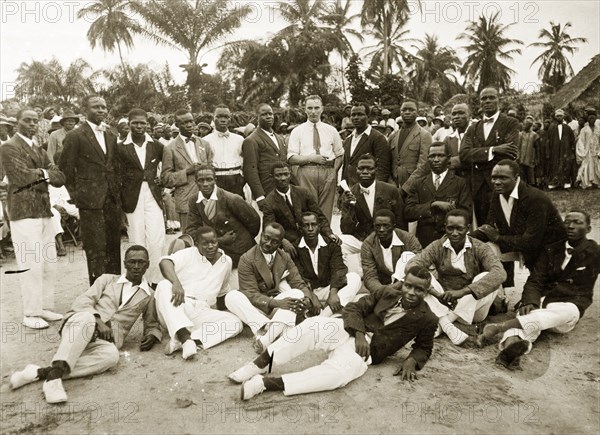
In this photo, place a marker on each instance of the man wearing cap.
(364, 139)
(5, 127)
(158, 133)
(227, 147)
(43, 126)
(181, 159)
(588, 152)
(528, 144)
(445, 130)
(563, 164)
(387, 121)
(409, 147)
(122, 129)
(204, 129)
(316, 147)
(485, 143)
(55, 142)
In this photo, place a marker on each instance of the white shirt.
(272, 137)
(301, 141)
(567, 256)
(389, 123)
(442, 176)
(507, 205)
(314, 256)
(387, 252)
(129, 290)
(285, 195)
(200, 279)
(269, 258)
(370, 197)
(441, 134)
(227, 150)
(99, 135)
(213, 196)
(31, 143)
(190, 147)
(139, 150)
(487, 126)
(394, 313)
(356, 139)
(560, 129)
(458, 259)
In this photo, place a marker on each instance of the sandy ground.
(557, 390)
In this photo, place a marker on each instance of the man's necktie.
(210, 208)
(316, 139)
(224, 134)
(486, 119)
(436, 182)
(364, 191)
(289, 204)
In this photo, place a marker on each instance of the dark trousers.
(481, 203)
(101, 236)
(231, 183)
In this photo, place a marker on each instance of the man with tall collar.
(556, 294)
(259, 151)
(364, 139)
(359, 205)
(141, 196)
(181, 159)
(485, 143)
(227, 148)
(561, 143)
(29, 172)
(409, 147)
(460, 122)
(89, 161)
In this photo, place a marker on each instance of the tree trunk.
(386, 45)
(122, 61)
(343, 80)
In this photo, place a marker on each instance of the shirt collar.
(26, 139)
(213, 196)
(288, 193)
(442, 175)
(515, 193)
(367, 132)
(494, 116)
(320, 242)
(143, 285)
(270, 133)
(447, 244)
(128, 139)
(395, 240)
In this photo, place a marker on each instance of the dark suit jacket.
(368, 315)
(534, 223)
(418, 204)
(331, 270)
(562, 154)
(455, 163)
(23, 166)
(260, 284)
(409, 158)
(375, 144)
(375, 273)
(575, 284)
(233, 213)
(133, 174)
(475, 149)
(358, 221)
(92, 176)
(259, 153)
(275, 209)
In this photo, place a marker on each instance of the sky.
(38, 30)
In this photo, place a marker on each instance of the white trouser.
(346, 294)
(560, 317)
(467, 308)
(56, 225)
(84, 357)
(342, 366)
(239, 304)
(351, 247)
(147, 228)
(35, 252)
(206, 324)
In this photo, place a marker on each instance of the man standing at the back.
(90, 165)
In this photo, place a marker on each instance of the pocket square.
(581, 268)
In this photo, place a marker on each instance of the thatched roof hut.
(582, 90)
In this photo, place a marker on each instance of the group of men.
(299, 286)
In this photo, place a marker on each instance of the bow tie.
(224, 134)
(101, 128)
(364, 191)
(486, 119)
(570, 251)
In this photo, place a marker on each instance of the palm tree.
(190, 27)
(387, 17)
(555, 68)
(31, 80)
(487, 46)
(432, 77)
(341, 25)
(113, 25)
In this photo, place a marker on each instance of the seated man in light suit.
(469, 277)
(96, 327)
(556, 294)
(196, 279)
(271, 290)
(321, 265)
(386, 251)
(375, 327)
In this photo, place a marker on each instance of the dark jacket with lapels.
(331, 269)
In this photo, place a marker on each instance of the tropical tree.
(340, 20)
(384, 19)
(487, 47)
(432, 78)
(113, 26)
(192, 27)
(555, 68)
